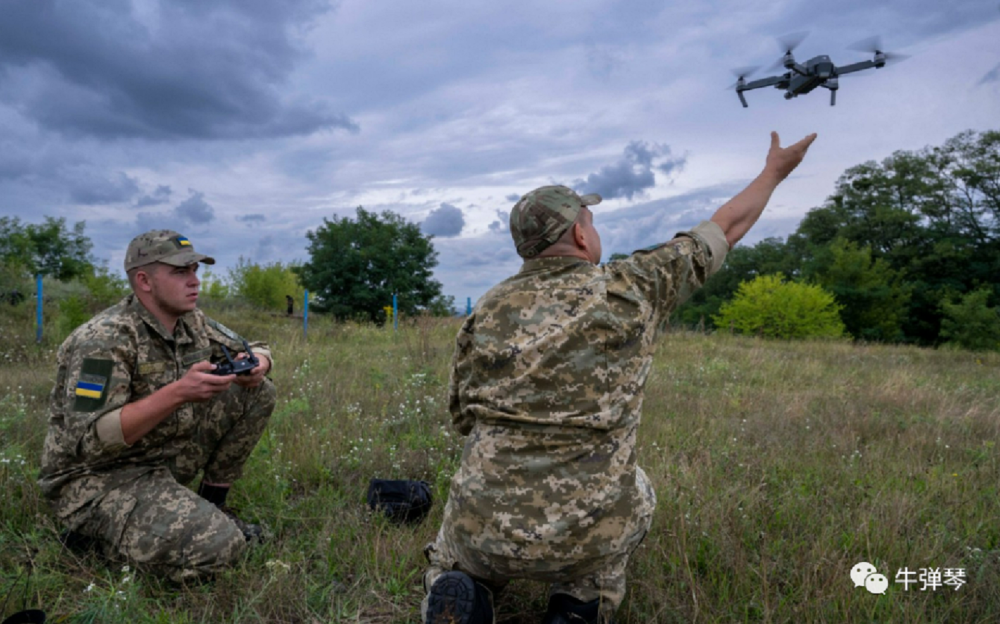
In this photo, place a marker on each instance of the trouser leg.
(229, 428)
(604, 581)
(607, 584)
(156, 522)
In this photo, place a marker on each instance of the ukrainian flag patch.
(91, 389)
(183, 242)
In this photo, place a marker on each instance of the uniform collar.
(552, 262)
(182, 333)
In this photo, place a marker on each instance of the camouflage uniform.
(547, 383)
(131, 498)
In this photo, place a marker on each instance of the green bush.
(770, 307)
(971, 323)
(213, 287)
(265, 286)
(73, 312)
(105, 288)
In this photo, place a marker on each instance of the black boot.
(565, 609)
(455, 598)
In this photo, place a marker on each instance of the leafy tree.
(48, 248)
(356, 265)
(971, 323)
(770, 307)
(743, 264)
(265, 286)
(213, 287)
(872, 296)
(933, 215)
(105, 288)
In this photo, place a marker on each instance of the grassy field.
(778, 467)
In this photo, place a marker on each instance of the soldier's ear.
(579, 236)
(142, 279)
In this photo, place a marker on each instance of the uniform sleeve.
(92, 386)
(460, 371)
(669, 273)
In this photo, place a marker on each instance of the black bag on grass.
(401, 500)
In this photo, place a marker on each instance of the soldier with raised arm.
(547, 383)
(136, 414)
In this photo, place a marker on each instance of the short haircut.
(148, 269)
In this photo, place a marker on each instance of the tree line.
(905, 250)
(355, 267)
(909, 248)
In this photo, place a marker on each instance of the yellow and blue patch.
(91, 389)
(183, 242)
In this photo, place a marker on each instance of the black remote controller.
(236, 367)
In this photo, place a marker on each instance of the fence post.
(468, 306)
(305, 316)
(38, 315)
(395, 313)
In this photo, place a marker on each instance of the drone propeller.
(788, 43)
(792, 40)
(742, 73)
(873, 45)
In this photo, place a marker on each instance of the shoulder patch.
(91, 388)
(225, 331)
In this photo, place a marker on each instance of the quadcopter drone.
(818, 71)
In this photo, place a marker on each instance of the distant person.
(547, 383)
(291, 304)
(135, 415)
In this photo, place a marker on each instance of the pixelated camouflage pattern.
(586, 579)
(166, 246)
(547, 382)
(79, 470)
(541, 216)
(157, 523)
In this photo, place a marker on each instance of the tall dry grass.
(778, 466)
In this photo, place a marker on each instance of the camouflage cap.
(539, 218)
(164, 246)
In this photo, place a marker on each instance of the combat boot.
(565, 609)
(455, 598)
(252, 532)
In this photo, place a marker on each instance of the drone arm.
(762, 82)
(742, 99)
(847, 69)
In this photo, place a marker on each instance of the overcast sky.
(243, 124)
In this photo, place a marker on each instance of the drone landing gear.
(832, 84)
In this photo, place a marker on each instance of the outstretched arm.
(738, 215)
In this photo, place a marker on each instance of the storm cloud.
(160, 196)
(633, 173)
(279, 113)
(110, 69)
(195, 210)
(444, 221)
(120, 188)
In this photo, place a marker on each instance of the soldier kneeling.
(136, 414)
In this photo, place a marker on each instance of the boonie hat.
(539, 218)
(166, 246)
